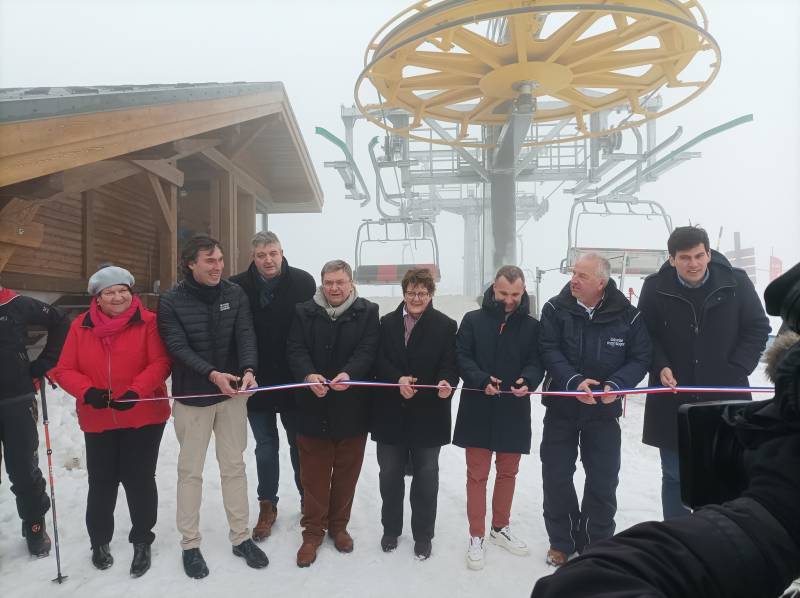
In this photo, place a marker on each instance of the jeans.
(265, 431)
(671, 485)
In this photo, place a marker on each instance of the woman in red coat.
(112, 357)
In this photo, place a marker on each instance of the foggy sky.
(747, 179)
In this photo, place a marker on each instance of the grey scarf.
(335, 312)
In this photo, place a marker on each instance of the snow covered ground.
(365, 572)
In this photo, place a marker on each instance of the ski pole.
(46, 422)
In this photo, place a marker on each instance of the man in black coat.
(417, 346)
(592, 339)
(708, 329)
(333, 339)
(497, 352)
(207, 327)
(19, 438)
(273, 288)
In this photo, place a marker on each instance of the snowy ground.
(365, 572)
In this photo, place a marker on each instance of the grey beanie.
(108, 277)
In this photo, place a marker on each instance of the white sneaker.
(475, 553)
(508, 541)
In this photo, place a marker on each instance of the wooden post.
(228, 221)
(165, 214)
(246, 228)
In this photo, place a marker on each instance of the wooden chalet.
(90, 175)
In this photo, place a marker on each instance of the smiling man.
(207, 327)
(708, 329)
(592, 339)
(333, 339)
(496, 351)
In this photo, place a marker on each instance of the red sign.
(775, 267)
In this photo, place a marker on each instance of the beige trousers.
(193, 427)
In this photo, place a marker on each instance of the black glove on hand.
(97, 398)
(128, 396)
(774, 471)
(38, 369)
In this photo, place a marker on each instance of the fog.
(747, 179)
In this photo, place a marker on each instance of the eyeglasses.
(420, 296)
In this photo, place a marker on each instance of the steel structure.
(477, 96)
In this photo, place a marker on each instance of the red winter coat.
(137, 361)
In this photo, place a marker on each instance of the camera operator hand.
(774, 474)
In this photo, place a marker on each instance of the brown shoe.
(266, 517)
(342, 540)
(307, 553)
(556, 558)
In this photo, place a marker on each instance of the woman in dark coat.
(417, 346)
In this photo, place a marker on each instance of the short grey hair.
(335, 266)
(603, 265)
(265, 238)
(510, 273)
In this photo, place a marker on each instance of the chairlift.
(624, 260)
(397, 234)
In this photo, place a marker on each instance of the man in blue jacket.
(592, 339)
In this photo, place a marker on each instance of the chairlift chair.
(396, 233)
(624, 261)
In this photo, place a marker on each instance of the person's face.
(336, 286)
(691, 264)
(207, 269)
(509, 293)
(268, 259)
(587, 284)
(114, 300)
(417, 299)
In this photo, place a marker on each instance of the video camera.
(715, 439)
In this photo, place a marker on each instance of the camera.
(715, 439)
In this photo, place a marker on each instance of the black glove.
(38, 369)
(774, 472)
(128, 396)
(97, 398)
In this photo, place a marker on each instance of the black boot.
(194, 564)
(422, 549)
(252, 554)
(101, 557)
(37, 538)
(388, 543)
(141, 560)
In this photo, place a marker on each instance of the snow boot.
(36, 537)
(267, 514)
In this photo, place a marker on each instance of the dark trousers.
(126, 456)
(671, 504)
(20, 441)
(572, 528)
(424, 462)
(265, 431)
(329, 470)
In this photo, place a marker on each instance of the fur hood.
(773, 355)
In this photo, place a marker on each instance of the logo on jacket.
(224, 306)
(615, 342)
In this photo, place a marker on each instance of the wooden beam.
(245, 180)
(163, 211)
(17, 214)
(87, 238)
(187, 147)
(162, 169)
(243, 144)
(33, 148)
(22, 235)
